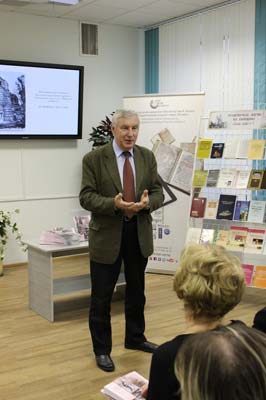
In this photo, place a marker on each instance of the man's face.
(126, 132)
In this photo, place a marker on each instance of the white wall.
(42, 178)
(211, 52)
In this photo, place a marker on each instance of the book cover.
(212, 178)
(256, 211)
(227, 178)
(242, 149)
(263, 182)
(242, 179)
(193, 235)
(204, 148)
(255, 241)
(221, 237)
(217, 150)
(230, 149)
(207, 236)
(226, 206)
(211, 209)
(259, 279)
(126, 387)
(199, 178)
(256, 149)
(248, 272)
(241, 210)
(255, 179)
(198, 207)
(237, 238)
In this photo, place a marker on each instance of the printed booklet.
(126, 387)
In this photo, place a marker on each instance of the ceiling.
(134, 13)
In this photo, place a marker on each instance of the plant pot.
(1, 268)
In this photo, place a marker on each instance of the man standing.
(120, 186)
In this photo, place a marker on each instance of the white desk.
(43, 287)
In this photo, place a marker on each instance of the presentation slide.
(39, 100)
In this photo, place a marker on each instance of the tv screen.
(40, 101)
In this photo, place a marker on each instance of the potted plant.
(102, 134)
(7, 226)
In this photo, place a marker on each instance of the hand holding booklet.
(126, 387)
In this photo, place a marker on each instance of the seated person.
(225, 364)
(210, 282)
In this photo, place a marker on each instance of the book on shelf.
(241, 210)
(242, 179)
(198, 207)
(259, 279)
(256, 211)
(236, 149)
(193, 235)
(221, 237)
(230, 149)
(206, 236)
(211, 209)
(226, 206)
(255, 179)
(263, 182)
(256, 149)
(126, 387)
(199, 178)
(248, 270)
(212, 177)
(255, 241)
(237, 238)
(227, 178)
(242, 149)
(217, 150)
(204, 148)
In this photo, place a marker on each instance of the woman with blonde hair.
(210, 282)
(224, 364)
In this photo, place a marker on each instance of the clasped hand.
(131, 206)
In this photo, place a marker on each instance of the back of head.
(209, 280)
(225, 364)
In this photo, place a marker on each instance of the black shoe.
(105, 362)
(148, 347)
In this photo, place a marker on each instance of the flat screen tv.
(40, 101)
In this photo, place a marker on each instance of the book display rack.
(228, 197)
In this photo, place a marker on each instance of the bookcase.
(228, 196)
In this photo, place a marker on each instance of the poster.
(168, 126)
(248, 119)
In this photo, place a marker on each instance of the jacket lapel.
(111, 166)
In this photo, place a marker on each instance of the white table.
(43, 287)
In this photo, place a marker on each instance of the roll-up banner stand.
(168, 126)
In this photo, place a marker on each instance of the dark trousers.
(103, 281)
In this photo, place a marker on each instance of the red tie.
(128, 182)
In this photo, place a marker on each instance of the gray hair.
(123, 114)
